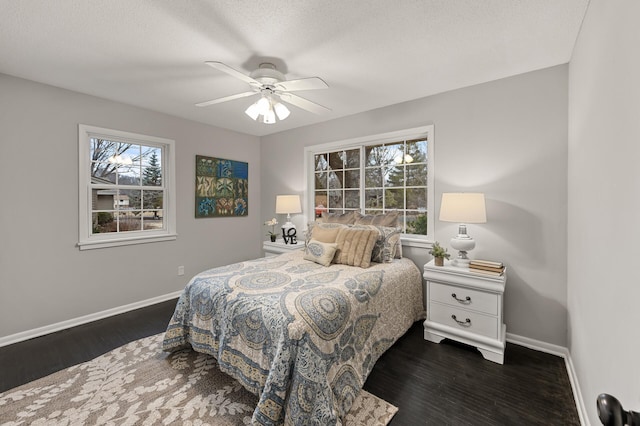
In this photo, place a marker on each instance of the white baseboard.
(41, 331)
(537, 345)
(563, 352)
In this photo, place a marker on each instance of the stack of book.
(487, 267)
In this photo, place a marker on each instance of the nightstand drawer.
(477, 324)
(477, 300)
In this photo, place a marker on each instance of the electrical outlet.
(180, 270)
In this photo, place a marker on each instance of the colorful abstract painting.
(222, 187)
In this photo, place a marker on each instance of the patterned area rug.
(138, 384)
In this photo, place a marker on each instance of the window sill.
(116, 242)
(408, 241)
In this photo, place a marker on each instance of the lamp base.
(461, 262)
(463, 243)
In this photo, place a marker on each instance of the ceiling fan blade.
(303, 103)
(226, 98)
(232, 72)
(311, 83)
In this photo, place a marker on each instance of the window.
(376, 174)
(126, 188)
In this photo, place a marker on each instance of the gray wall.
(44, 278)
(506, 138)
(604, 200)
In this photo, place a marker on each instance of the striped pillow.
(355, 246)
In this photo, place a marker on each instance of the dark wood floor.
(432, 384)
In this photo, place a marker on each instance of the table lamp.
(463, 207)
(287, 204)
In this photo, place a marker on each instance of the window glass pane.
(125, 154)
(152, 199)
(150, 155)
(103, 222)
(152, 167)
(395, 153)
(352, 179)
(152, 219)
(321, 162)
(129, 221)
(128, 199)
(373, 178)
(336, 160)
(377, 155)
(335, 200)
(417, 198)
(394, 198)
(103, 173)
(394, 176)
(101, 150)
(373, 198)
(416, 174)
(320, 203)
(416, 222)
(352, 199)
(128, 175)
(321, 180)
(417, 149)
(132, 152)
(335, 179)
(352, 159)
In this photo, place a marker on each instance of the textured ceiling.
(372, 53)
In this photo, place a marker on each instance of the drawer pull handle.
(465, 301)
(465, 323)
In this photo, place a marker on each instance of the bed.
(301, 336)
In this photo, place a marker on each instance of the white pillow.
(320, 252)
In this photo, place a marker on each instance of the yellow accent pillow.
(355, 246)
(320, 252)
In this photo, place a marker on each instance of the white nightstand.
(467, 307)
(279, 247)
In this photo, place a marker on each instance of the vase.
(438, 261)
(273, 238)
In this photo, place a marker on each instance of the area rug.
(139, 384)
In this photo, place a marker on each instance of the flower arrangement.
(272, 223)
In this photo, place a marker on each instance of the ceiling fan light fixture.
(253, 111)
(264, 105)
(273, 86)
(281, 110)
(269, 117)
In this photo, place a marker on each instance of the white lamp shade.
(463, 207)
(286, 204)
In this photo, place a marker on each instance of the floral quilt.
(301, 336)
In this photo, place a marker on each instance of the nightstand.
(279, 247)
(465, 306)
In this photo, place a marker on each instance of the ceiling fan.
(273, 87)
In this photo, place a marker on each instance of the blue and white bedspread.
(301, 336)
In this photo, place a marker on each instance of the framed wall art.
(222, 187)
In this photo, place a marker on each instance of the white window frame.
(87, 240)
(407, 134)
